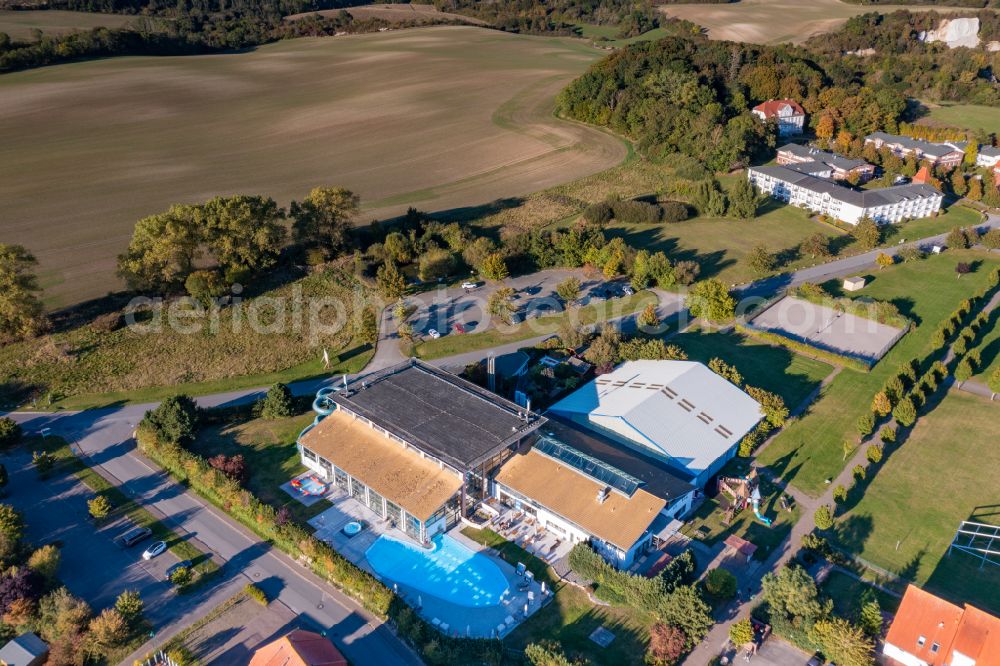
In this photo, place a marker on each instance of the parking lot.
(828, 329)
(447, 308)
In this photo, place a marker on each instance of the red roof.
(923, 176)
(771, 107)
(933, 630)
(299, 648)
(741, 545)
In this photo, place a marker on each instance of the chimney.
(602, 495)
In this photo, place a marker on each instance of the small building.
(929, 631)
(988, 156)
(740, 549)
(299, 648)
(25, 650)
(923, 176)
(509, 366)
(786, 113)
(585, 487)
(884, 205)
(819, 162)
(854, 283)
(679, 412)
(946, 155)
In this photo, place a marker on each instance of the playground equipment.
(745, 492)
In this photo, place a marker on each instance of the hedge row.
(803, 348)
(325, 562)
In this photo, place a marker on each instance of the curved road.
(104, 437)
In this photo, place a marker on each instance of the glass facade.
(358, 490)
(342, 480)
(393, 513)
(413, 527)
(375, 502)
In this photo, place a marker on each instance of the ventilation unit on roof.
(602, 494)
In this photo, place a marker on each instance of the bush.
(905, 412)
(205, 286)
(10, 432)
(130, 605)
(866, 424)
(874, 453)
(255, 593)
(859, 472)
(174, 420)
(887, 434)
(673, 211)
(635, 212)
(598, 213)
(824, 517)
(43, 463)
(741, 633)
(720, 584)
(277, 403)
(839, 495)
(181, 576)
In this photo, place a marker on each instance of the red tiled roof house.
(787, 113)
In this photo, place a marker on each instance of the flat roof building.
(679, 412)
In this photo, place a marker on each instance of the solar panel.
(596, 469)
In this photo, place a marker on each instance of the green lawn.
(989, 348)
(707, 524)
(968, 116)
(847, 593)
(809, 451)
(571, 617)
(268, 445)
(607, 35)
(943, 473)
(773, 368)
(66, 461)
(452, 343)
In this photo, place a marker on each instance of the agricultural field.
(776, 21)
(180, 349)
(393, 12)
(967, 116)
(438, 118)
(809, 450)
(20, 25)
(909, 511)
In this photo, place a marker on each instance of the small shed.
(25, 650)
(854, 283)
(742, 549)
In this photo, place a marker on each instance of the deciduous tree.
(163, 250)
(710, 299)
(324, 218)
(760, 260)
(495, 267)
(867, 233)
(389, 281)
(666, 645)
(843, 643)
(568, 290)
(500, 304)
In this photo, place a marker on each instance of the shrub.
(277, 403)
(824, 517)
(741, 633)
(673, 211)
(546, 653)
(859, 472)
(839, 496)
(881, 404)
(205, 286)
(107, 631)
(720, 584)
(874, 453)
(635, 212)
(181, 576)
(772, 405)
(235, 467)
(887, 434)
(45, 562)
(255, 593)
(667, 645)
(598, 213)
(43, 462)
(905, 412)
(174, 420)
(866, 424)
(99, 507)
(10, 432)
(130, 605)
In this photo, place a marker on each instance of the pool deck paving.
(452, 619)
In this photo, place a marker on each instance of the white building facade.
(885, 206)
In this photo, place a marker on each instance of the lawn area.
(942, 474)
(954, 216)
(989, 348)
(706, 525)
(203, 565)
(607, 35)
(847, 593)
(967, 116)
(20, 24)
(571, 616)
(808, 451)
(772, 368)
(268, 445)
(451, 344)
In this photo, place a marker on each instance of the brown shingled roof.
(568, 493)
(400, 475)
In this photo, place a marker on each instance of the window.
(934, 648)
(920, 641)
(309, 455)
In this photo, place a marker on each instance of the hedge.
(803, 348)
(261, 518)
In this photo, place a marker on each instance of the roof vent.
(602, 494)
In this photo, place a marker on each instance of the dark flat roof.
(657, 478)
(437, 412)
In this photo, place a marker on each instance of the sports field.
(19, 24)
(436, 118)
(775, 21)
(909, 512)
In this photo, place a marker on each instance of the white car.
(469, 285)
(154, 550)
(627, 290)
(433, 333)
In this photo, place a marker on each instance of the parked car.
(133, 536)
(154, 549)
(627, 290)
(469, 285)
(459, 328)
(432, 333)
(183, 564)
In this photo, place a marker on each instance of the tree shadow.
(853, 532)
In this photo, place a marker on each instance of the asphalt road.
(105, 437)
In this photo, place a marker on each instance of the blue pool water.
(448, 571)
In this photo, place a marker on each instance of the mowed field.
(967, 116)
(19, 24)
(436, 118)
(776, 21)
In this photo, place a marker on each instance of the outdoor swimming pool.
(449, 571)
